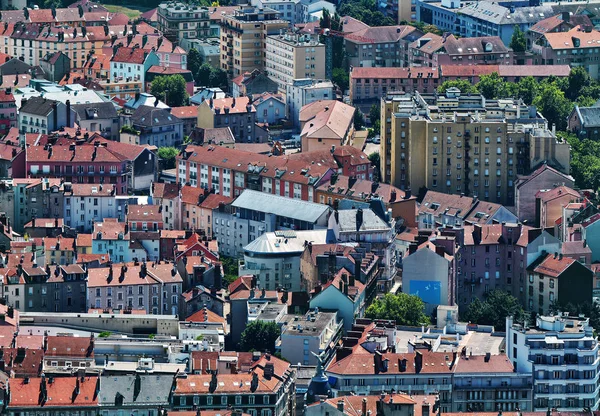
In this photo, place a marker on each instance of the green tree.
(260, 336)
(194, 62)
(497, 306)
(374, 113)
(491, 86)
(403, 308)
(170, 88)
(527, 89)
(553, 104)
(168, 155)
(588, 309)
(464, 86)
(518, 43)
(579, 78)
(359, 119)
(341, 78)
(375, 160)
(230, 270)
(203, 75)
(585, 160)
(218, 78)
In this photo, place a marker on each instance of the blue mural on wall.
(428, 291)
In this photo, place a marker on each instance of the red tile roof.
(393, 73)
(363, 364)
(144, 213)
(565, 40)
(190, 111)
(553, 266)
(355, 405)
(478, 364)
(241, 283)
(165, 190)
(110, 228)
(235, 105)
(547, 195)
(69, 346)
(129, 55)
(155, 274)
(59, 393)
(205, 315)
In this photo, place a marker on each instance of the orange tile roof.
(205, 315)
(110, 229)
(144, 213)
(235, 105)
(565, 40)
(69, 346)
(553, 266)
(362, 364)
(478, 364)
(59, 393)
(129, 55)
(155, 274)
(393, 73)
(190, 111)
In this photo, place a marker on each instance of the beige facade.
(179, 21)
(243, 38)
(292, 56)
(429, 141)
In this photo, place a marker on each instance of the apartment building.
(111, 236)
(561, 352)
(326, 124)
(243, 38)
(8, 111)
(292, 10)
(42, 115)
(381, 46)
(153, 288)
(236, 113)
(454, 143)
(178, 21)
(157, 127)
(230, 171)
(509, 73)
(131, 64)
(170, 55)
(290, 56)
(305, 91)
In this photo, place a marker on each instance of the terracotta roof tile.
(59, 393)
(553, 266)
(393, 73)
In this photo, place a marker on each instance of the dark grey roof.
(38, 105)
(148, 390)
(590, 116)
(95, 111)
(348, 221)
(146, 116)
(494, 13)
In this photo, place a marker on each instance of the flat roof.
(281, 206)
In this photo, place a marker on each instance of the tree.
(218, 78)
(527, 89)
(359, 119)
(260, 336)
(403, 308)
(375, 160)
(588, 309)
(464, 86)
(553, 104)
(585, 160)
(194, 62)
(341, 78)
(203, 75)
(374, 114)
(168, 154)
(497, 306)
(579, 78)
(491, 86)
(170, 88)
(518, 43)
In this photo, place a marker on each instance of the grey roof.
(146, 116)
(285, 242)
(95, 111)
(347, 221)
(37, 105)
(154, 390)
(496, 14)
(589, 116)
(281, 206)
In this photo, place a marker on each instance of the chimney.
(393, 196)
(425, 409)
(340, 405)
(407, 193)
(487, 358)
(351, 181)
(359, 218)
(418, 362)
(364, 406)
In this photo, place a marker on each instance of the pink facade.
(8, 112)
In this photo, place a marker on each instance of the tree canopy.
(194, 61)
(359, 119)
(403, 308)
(365, 11)
(341, 78)
(497, 306)
(518, 43)
(260, 336)
(463, 85)
(170, 88)
(168, 155)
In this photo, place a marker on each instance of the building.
(291, 56)
(156, 127)
(254, 213)
(303, 92)
(381, 46)
(131, 64)
(237, 113)
(252, 83)
(550, 203)
(41, 115)
(526, 188)
(207, 48)
(100, 117)
(189, 116)
(270, 108)
(178, 21)
(243, 38)
(386, 404)
(154, 288)
(561, 353)
(293, 11)
(198, 206)
(56, 66)
(264, 384)
(585, 122)
(8, 112)
(139, 393)
(455, 150)
(509, 73)
(326, 125)
(304, 338)
(111, 236)
(144, 217)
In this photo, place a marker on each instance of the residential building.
(237, 113)
(432, 51)
(230, 171)
(583, 121)
(303, 338)
(381, 46)
(550, 202)
(293, 11)
(8, 111)
(56, 65)
(526, 188)
(180, 21)
(140, 393)
(270, 108)
(155, 289)
(41, 115)
(207, 48)
(325, 125)
(291, 56)
(303, 92)
(168, 196)
(100, 117)
(199, 297)
(111, 236)
(562, 22)
(208, 389)
(56, 288)
(386, 404)
(509, 73)
(457, 154)
(274, 258)
(131, 64)
(254, 213)
(561, 353)
(198, 206)
(59, 250)
(189, 116)
(246, 304)
(590, 235)
(243, 38)
(39, 197)
(144, 217)
(252, 83)
(64, 352)
(440, 210)
(156, 127)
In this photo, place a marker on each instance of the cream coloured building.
(455, 143)
(292, 56)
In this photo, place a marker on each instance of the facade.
(303, 92)
(237, 113)
(270, 108)
(100, 117)
(111, 236)
(561, 353)
(550, 203)
(585, 122)
(157, 127)
(326, 125)
(293, 11)
(243, 38)
(178, 21)
(470, 152)
(8, 112)
(131, 64)
(291, 56)
(41, 115)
